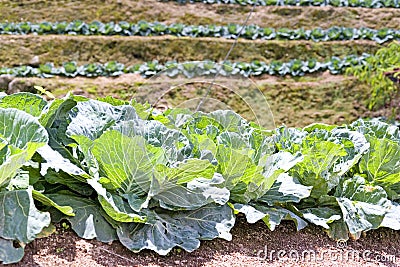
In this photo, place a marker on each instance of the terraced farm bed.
(19, 50)
(294, 102)
(152, 10)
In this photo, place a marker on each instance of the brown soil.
(153, 10)
(249, 247)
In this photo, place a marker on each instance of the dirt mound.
(252, 245)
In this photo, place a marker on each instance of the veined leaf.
(67, 210)
(12, 160)
(392, 217)
(20, 136)
(30, 220)
(197, 193)
(289, 139)
(229, 120)
(285, 189)
(90, 221)
(62, 178)
(166, 230)
(55, 118)
(363, 206)
(316, 168)
(188, 170)
(125, 162)
(28, 102)
(129, 167)
(175, 144)
(355, 144)
(203, 146)
(377, 129)
(91, 118)
(57, 162)
(114, 205)
(57, 110)
(21, 130)
(246, 180)
(238, 171)
(272, 216)
(232, 139)
(321, 216)
(381, 163)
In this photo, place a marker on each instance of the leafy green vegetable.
(20, 136)
(30, 220)
(8, 253)
(91, 118)
(185, 229)
(118, 171)
(381, 162)
(67, 210)
(89, 221)
(321, 216)
(230, 31)
(30, 103)
(335, 3)
(272, 216)
(285, 189)
(294, 67)
(363, 206)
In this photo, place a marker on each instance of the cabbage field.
(95, 136)
(121, 171)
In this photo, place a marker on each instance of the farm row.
(119, 170)
(231, 31)
(293, 101)
(198, 14)
(190, 69)
(335, 3)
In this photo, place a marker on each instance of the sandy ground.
(252, 245)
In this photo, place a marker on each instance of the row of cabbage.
(335, 3)
(120, 170)
(295, 67)
(230, 31)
